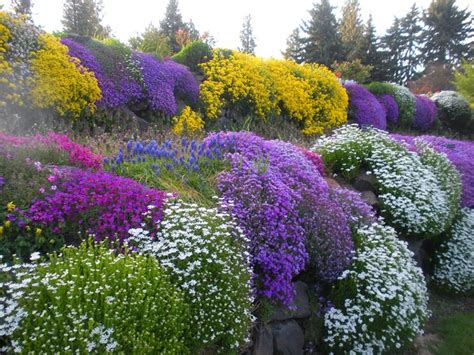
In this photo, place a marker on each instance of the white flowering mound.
(380, 303)
(453, 109)
(90, 300)
(455, 266)
(206, 253)
(411, 191)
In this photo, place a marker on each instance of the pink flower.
(54, 187)
(51, 178)
(41, 189)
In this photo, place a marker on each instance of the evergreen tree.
(321, 42)
(294, 47)
(373, 55)
(393, 45)
(447, 33)
(351, 30)
(170, 25)
(83, 17)
(22, 7)
(151, 41)
(247, 39)
(410, 31)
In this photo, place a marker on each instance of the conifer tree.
(351, 30)
(447, 34)
(294, 47)
(22, 7)
(247, 40)
(170, 25)
(83, 17)
(410, 32)
(373, 54)
(393, 45)
(321, 42)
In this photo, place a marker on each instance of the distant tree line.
(438, 37)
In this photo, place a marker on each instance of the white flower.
(35, 256)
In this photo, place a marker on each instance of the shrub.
(188, 122)
(206, 254)
(455, 260)
(380, 302)
(353, 70)
(308, 94)
(411, 196)
(194, 54)
(464, 81)
(364, 108)
(90, 300)
(425, 113)
(357, 211)
(391, 108)
(61, 83)
(98, 204)
(453, 110)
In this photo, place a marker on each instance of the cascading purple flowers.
(364, 108)
(164, 80)
(460, 153)
(282, 202)
(391, 108)
(425, 113)
(99, 203)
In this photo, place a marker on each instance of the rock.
(299, 307)
(288, 338)
(332, 183)
(370, 198)
(264, 341)
(365, 182)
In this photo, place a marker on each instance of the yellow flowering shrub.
(188, 122)
(6, 71)
(61, 82)
(308, 94)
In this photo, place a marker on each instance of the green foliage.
(353, 70)
(464, 81)
(378, 88)
(151, 41)
(351, 31)
(193, 54)
(170, 25)
(92, 301)
(454, 111)
(84, 18)
(294, 47)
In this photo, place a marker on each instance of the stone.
(370, 198)
(264, 341)
(332, 183)
(299, 307)
(365, 182)
(288, 338)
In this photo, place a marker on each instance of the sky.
(273, 20)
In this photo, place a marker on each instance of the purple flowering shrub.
(99, 204)
(425, 113)
(283, 205)
(358, 213)
(364, 108)
(391, 108)
(460, 153)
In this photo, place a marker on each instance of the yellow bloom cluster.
(309, 94)
(61, 82)
(6, 70)
(188, 121)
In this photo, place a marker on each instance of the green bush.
(454, 111)
(193, 54)
(378, 88)
(89, 300)
(380, 303)
(206, 254)
(353, 70)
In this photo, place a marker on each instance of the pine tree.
(294, 47)
(321, 42)
(373, 54)
(22, 7)
(83, 17)
(170, 25)
(446, 34)
(393, 45)
(351, 30)
(247, 39)
(410, 31)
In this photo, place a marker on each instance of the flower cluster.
(205, 252)
(380, 303)
(90, 300)
(308, 94)
(455, 260)
(412, 195)
(364, 108)
(282, 203)
(425, 113)
(453, 110)
(357, 211)
(188, 122)
(99, 204)
(390, 107)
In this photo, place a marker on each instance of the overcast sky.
(273, 20)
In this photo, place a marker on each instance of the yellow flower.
(1, 230)
(7, 224)
(38, 232)
(188, 122)
(10, 206)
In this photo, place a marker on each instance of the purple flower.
(2, 183)
(391, 108)
(364, 108)
(425, 113)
